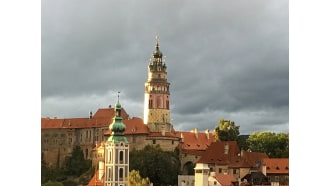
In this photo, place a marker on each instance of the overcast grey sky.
(225, 59)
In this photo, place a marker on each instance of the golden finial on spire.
(157, 36)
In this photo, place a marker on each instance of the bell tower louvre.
(157, 94)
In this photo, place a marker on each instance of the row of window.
(57, 141)
(121, 157)
(278, 178)
(54, 135)
(154, 142)
(159, 104)
(220, 170)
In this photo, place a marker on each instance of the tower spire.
(157, 41)
(117, 127)
(116, 152)
(157, 94)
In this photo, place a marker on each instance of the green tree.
(135, 179)
(52, 183)
(226, 131)
(161, 167)
(273, 144)
(76, 164)
(51, 174)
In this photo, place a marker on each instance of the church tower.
(116, 153)
(157, 94)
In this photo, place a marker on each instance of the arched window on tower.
(150, 104)
(159, 102)
(121, 174)
(121, 157)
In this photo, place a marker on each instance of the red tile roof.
(102, 118)
(215, 153)
(225, 179)
(254, 159)
(195, 141)
(109, 113)
(94, 180)
(276, 165)
(133, 126)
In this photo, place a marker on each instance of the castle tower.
(157, 94)
(116, 153)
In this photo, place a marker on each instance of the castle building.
(60, 135)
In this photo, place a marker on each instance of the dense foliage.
(76, 164)
(135, 179)
(161, 167)
(76, 171)
(226, 131)
(273, 144)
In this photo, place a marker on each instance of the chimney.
(90, 115)
(207, 134)
(182, 137)
(226, 148)
(196, 133)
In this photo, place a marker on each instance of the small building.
(277, 170)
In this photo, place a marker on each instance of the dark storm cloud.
(226, 59)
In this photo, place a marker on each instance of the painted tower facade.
(116, 153)
(157, 94)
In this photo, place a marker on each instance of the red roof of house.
(133, 126)
(215, 153)
(102, 118)
(254, 159)
(225, 179)
(94, 180)
(109, 113)
(276, 165)
(195, 140)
